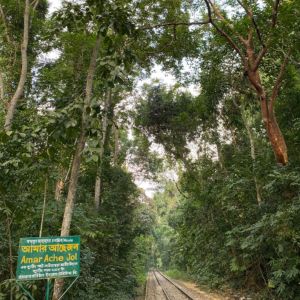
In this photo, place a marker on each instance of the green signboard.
(48, 257)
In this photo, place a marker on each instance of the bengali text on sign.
(49, 257)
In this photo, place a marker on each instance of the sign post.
(48, 289)
(48, 258)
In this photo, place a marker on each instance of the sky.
(54, 4)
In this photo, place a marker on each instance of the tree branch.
(250, 15)
(176, 24)
(218, 13)
(5, 24)
(275, 13)
(258, 33)
(179, 190)
(259, 57)
(223, 33)
(279, 78)
(34, 4)
(20, 88)
(2, 88)
(264, 49)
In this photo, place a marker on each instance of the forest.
(166, 134)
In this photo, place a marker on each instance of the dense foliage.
(235, 217)
(38, 152)
(76, 125)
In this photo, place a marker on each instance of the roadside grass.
(141, 279)
(179, 275)
(225, 291)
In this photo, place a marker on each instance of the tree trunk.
(217, 141)
(116, 144)
(20, 88)
(98, 183)
(274, 133)
(8, 224)
(69, 208)
(61, 182)
(251, 61)
(58, 189)
(253, 156)
(44, 207)
(267, 103)
(97, 190)
(5, 25)
(2, 90)
(220, 155)
(268, 115)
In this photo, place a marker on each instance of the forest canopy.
(81, 117)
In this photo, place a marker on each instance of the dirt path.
(199, 294)
(158, 286)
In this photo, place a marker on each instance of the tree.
(66, 223)
(31, 9)
(252, 59)
(254, 41)
(102, 26)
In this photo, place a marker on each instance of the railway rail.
(166, 292)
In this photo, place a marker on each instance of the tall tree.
(256, 35)
(30, 8)
(103, 143)
(252, 46)
(69, 208)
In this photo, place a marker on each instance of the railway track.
(170, 289)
